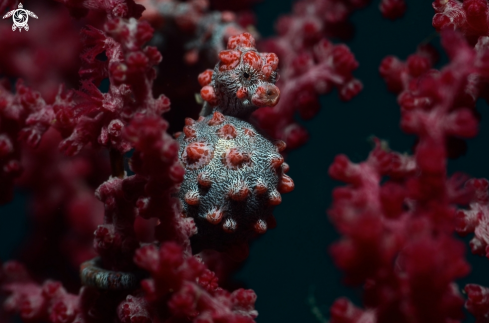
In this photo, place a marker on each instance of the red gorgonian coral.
(401, 210)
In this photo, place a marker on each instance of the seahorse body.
(234, 175)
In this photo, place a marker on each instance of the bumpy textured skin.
(234, 175)
(241, 178)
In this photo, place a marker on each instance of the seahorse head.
(243, 80)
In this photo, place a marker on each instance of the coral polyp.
(234, 175)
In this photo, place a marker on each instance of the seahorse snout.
(266, 95)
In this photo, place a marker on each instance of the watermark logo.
(20, 17)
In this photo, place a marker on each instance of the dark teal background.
(291, 260)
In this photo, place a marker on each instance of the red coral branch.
(190, 289)
(158, 172)
(99, 118)
(23, 116)
(397, 236)
(469, 17)
(475, 220)
(36, 303)
(126, 117)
